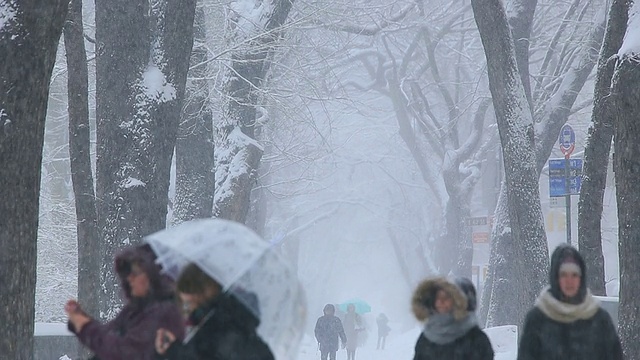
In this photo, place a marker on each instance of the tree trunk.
(515, 125)
(194, 145)
(596, 152)
(80, 159)
(626, 97)
(236, 166)
(137, 119)
(521, 22)
(29, 38)
(502, 259)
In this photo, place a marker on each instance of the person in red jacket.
(150, 305)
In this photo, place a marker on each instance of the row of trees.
(144, 68)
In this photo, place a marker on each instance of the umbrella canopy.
(362, 307)
(241, 261)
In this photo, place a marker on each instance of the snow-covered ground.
(400, 346)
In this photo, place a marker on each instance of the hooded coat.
(328, 329)
(131, 334)
(224, 329)
(560, 328)
(470, 345)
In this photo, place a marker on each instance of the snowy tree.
(141, 67)
(194, 145)
(29, 34)
(515, 125)
(517, 269)
(253, 30)
(80, 159)
(626, 97)
(597, 150)
(405, 53)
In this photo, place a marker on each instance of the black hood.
(562, 252)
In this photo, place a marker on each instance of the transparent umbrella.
(241, 262)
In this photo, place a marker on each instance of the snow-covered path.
(400, 347)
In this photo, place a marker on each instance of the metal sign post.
(567, 141)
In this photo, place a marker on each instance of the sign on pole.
(557, 180)
(567, 140)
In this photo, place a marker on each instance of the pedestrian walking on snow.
(451, 329)
(567, 322)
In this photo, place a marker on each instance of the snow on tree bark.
(141, 66)
(194, 145)
(554, 110)
(597, 149)
(29, 34)
(626, 104)
(80, 160)
(515, 125)
(253, 30)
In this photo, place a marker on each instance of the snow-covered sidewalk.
(503, 339)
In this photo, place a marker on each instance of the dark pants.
(330, 354)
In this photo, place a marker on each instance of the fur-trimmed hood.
(424, 297)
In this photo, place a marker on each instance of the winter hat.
(570, 265)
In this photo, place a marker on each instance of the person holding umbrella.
(352, 325)
(247, 278)
(221, 326)
(150, 305)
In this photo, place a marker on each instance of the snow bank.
(51, 329)
(504, 340)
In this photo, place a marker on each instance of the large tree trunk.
(237, 164)
(141, 67)
(501, 309)
(521, 21)
(29, 35)
(515, 125)
(80, 159)
(194, 145)
(596, 152)
(626, 96)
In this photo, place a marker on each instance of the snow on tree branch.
(631, 43)
(8, 12)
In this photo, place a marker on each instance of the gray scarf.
(443, 328)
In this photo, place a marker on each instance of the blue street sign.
(557, 183)
(567, 139)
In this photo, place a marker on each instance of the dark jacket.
(546, 339)
(591, 337)
(473, 344)
(226, 330)
(131, 334)
(328, 329)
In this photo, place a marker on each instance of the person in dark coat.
(150, 305)
(567, 322)
(451, 329)
(221, 326)
(383, 330)
(328, 329)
